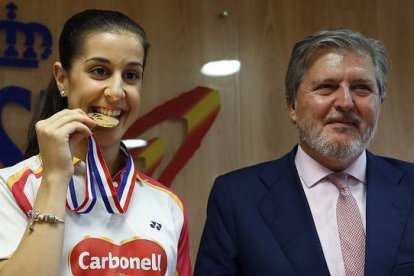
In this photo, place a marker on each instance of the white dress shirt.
(322, 196)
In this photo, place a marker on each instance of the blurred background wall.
(252, 124)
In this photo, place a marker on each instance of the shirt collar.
(311, 172)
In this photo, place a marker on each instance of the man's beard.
(312, 135)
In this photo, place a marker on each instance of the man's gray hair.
(338, 39)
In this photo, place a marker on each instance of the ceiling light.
(220, 68)
(134, 143)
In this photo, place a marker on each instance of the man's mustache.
(348, 117)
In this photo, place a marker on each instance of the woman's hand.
(58, 136)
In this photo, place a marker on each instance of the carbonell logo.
(98, 256)
(95, 262)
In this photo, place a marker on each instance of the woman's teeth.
(109, 112)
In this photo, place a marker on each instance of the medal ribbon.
(97, 173)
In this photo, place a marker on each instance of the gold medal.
(104, 120)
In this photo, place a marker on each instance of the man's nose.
(344, 98)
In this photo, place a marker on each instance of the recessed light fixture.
(134, 143)
(221, 68)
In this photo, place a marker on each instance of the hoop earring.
(63, 93)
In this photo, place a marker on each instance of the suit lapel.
(388, 204)
(287, 213)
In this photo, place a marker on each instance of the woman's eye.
(132, 76)
(99, 71)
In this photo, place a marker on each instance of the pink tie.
(350, 227)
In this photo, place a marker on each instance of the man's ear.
(60, 76)
(292, 110)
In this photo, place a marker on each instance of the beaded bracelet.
(35, 216)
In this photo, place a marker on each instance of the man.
(329, 207)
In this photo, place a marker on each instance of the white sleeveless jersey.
(151, 238)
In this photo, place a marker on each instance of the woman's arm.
(40, 250)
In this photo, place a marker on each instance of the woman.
(78, 206)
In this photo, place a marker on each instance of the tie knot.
(339, 180)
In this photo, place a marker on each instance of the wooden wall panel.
(253, 123)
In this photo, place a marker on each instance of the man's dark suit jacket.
(259, 222)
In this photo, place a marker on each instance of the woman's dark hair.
(71, 42)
